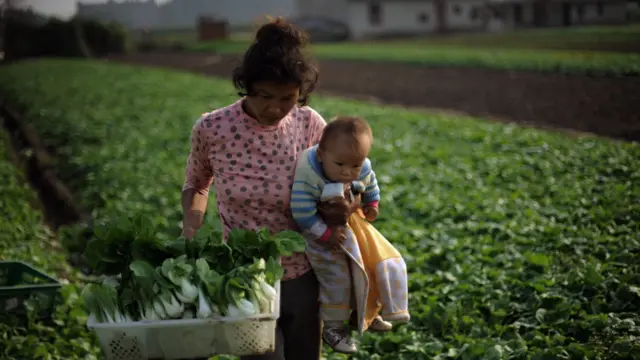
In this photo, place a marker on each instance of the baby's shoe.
(399, 318)
(379, 325)
(339, 340)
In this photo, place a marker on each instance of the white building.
(372, 18)
(369, 18)
(183, 13)
(510, 14)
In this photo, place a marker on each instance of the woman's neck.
(247, 109)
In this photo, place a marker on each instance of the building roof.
(391, 1)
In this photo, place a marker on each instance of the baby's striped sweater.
(308, 183)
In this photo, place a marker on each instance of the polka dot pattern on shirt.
(251, 168)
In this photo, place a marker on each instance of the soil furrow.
(606, 106)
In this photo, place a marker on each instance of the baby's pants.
(334, 275)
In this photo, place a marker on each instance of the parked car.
(321, 29)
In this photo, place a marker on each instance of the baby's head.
(343, 148)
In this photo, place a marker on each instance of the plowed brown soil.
(606, 106)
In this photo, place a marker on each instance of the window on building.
(423, 18)
(580, 11)
(375, 14)
(517, 13)
(457, 9)
(474, 14)
(600, 8)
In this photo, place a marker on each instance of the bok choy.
(202, 278)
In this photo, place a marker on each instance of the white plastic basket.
(189, 338)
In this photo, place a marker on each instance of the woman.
(248, 151)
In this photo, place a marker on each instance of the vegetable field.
(520, 244)
(548, 50)
(569, 62)
(592, 38)
(23, 237)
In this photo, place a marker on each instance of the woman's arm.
(198, 180)
(194, 205)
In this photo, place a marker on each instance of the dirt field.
(604, 106)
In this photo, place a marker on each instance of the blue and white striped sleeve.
(371, 194)
(305, 195)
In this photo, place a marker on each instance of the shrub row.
(27, 35)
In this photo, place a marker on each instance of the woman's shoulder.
(311, 122)
(231, 111)
(307, 113)
(217, 117)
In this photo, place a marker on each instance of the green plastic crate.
(21, 283)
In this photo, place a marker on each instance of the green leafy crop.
(24, 237)
(520, 244)
(570, 51)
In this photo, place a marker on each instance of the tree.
(7, 9)
(10, 4)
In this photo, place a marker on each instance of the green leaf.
(538, 259)
(290, 242)
(273, 271)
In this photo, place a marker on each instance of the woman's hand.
(337, 238)
(194, 204)
(191, 222)
(337, 212)
(188, 232)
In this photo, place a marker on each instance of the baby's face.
(343, 163)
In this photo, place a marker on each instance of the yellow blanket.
(379, 274)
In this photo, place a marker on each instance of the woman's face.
(270, 102)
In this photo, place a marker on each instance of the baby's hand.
(371, 212)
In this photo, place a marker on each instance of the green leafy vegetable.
(566, 50)
(24, 236)
(518, 242)
(212, 277)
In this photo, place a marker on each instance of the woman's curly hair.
(276, 55)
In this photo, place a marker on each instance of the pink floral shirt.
(251, 167)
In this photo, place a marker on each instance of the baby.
(340, 159)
